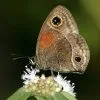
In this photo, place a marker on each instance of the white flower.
(30, 75)
(66, 84)
(42, 84)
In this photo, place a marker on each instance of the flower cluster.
(45, 85)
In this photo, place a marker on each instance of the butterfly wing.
(56, 43)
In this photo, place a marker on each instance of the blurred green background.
(20, 23)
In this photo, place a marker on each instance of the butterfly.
(60, 47)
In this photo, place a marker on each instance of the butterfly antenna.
(18, 56)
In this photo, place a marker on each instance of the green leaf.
(20, 94)
(64, 96)
(59, 96)
(67, 95)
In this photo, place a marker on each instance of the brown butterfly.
(60, 47)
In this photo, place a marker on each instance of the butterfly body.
(60, 47)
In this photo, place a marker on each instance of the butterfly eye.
(56, 21)
(78, 59)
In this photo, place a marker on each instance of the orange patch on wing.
(46, 40)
